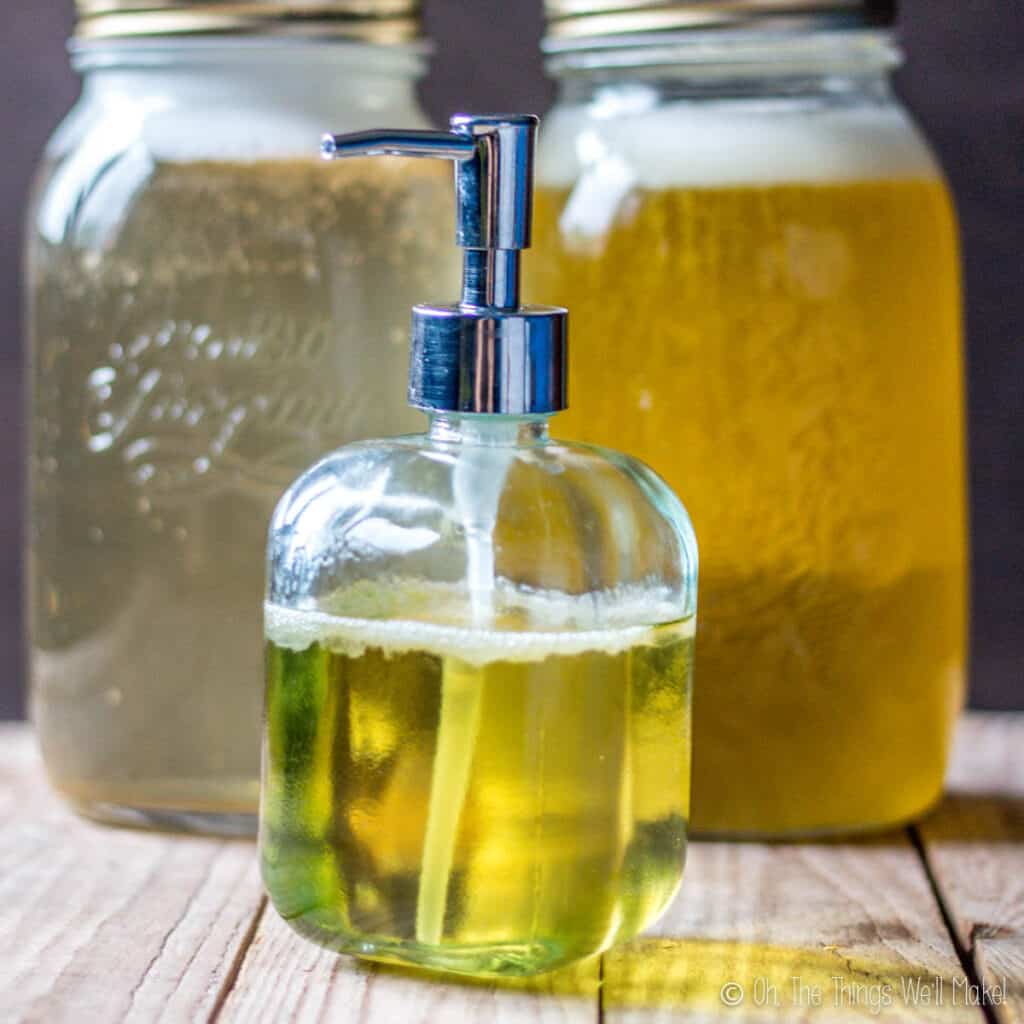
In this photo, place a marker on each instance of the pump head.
(487, 353)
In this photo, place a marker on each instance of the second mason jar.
(736, 185)
(211, 309)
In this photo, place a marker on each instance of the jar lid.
(585, 19)
(374, 21)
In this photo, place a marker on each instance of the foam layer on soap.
(617, 622)
(727, 144)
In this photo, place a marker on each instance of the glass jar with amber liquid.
(207, 301)
(736, 184)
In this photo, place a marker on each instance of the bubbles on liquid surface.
(558, 624)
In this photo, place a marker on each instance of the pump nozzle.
(487, 354)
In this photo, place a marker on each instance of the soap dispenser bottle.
(479, 641)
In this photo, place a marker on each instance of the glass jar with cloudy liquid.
(211, 309)
(743, 191)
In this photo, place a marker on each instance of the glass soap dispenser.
(479, 642)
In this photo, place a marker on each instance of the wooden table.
(101, 925)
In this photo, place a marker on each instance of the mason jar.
(211, 309)
(761, 258)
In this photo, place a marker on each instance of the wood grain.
(105, 925)
(856, 924)
(974, 845)
(286, 978)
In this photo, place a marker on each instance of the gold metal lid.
(585, 19)
(374, 21)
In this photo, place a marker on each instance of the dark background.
(964, 80)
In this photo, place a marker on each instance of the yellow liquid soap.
(787, 356)
(487, 801)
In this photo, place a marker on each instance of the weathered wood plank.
(107, 925)
(974, 844)
(815, 931)
(284, 977)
